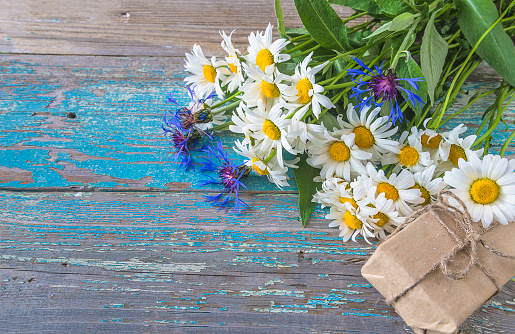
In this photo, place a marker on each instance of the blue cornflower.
(230, 176)
(197, 112)
(182, 140)
(382, 86)
(180, 126)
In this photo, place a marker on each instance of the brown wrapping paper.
(429, 301)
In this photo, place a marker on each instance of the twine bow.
(469, 243)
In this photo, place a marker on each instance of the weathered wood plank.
(140, 263)
(132, 27)
(115, 140)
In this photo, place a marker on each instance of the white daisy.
(386, 218)
(460, 148)
(337, 156)
(234, 74)
(305, 92)
(428, 185)
(307, 132)
(264, 87)
(352, 221)
(333, 190)
(397, 187)
(362, 186)
(275, 173)
(410, 156)
(269, 129)
(486, 187)
(434, 142)
(371, 132)
(241, 122)
(263, 53)
(206, 73)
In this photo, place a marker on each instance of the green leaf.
(384, 28)
(364, 5)
(401, 22)
(497, 49)
(393, 7)
(432, 56)
(411, 70)
(323, 24)
(287, 67)
(280, 18)
(330, 121)
(397, 43)
(296, 31)
(307, 187)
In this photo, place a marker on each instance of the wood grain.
(146, 263)
(133, 27)
(115, 140)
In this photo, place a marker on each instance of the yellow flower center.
(390, 192)
(434, 142)
(456, 153)
(303, 88)
(209, 73)
(363, 137)
(233, 67)
(383, 219)
(271, 130)
(264, 58)
(352, 221)
(270, 89)
(425, 194)
(484, 191)
(344, 200)
(408, 156)
(339, 151)
(257, 169)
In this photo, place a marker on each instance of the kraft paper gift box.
(408, 268)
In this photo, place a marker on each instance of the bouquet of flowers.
(356, 111)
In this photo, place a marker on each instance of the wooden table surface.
(101, 233)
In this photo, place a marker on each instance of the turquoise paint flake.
(359, 285)
(362, 314)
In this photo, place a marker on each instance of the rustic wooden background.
(100, 233)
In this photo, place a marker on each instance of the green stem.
(426, 109)
(225, 101)
(471, 53)
(349, 53)
(451, 38)
(355, 16)
(508, 141)
(306, 52)
(270, 156)
(298, 47)
(500, 112)
(222, 126)
(342, 85)
(485, 121)
(221, 110)
(454, 89)
(301, 37)
(508, 19)
(467, 106)
(404, 43)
